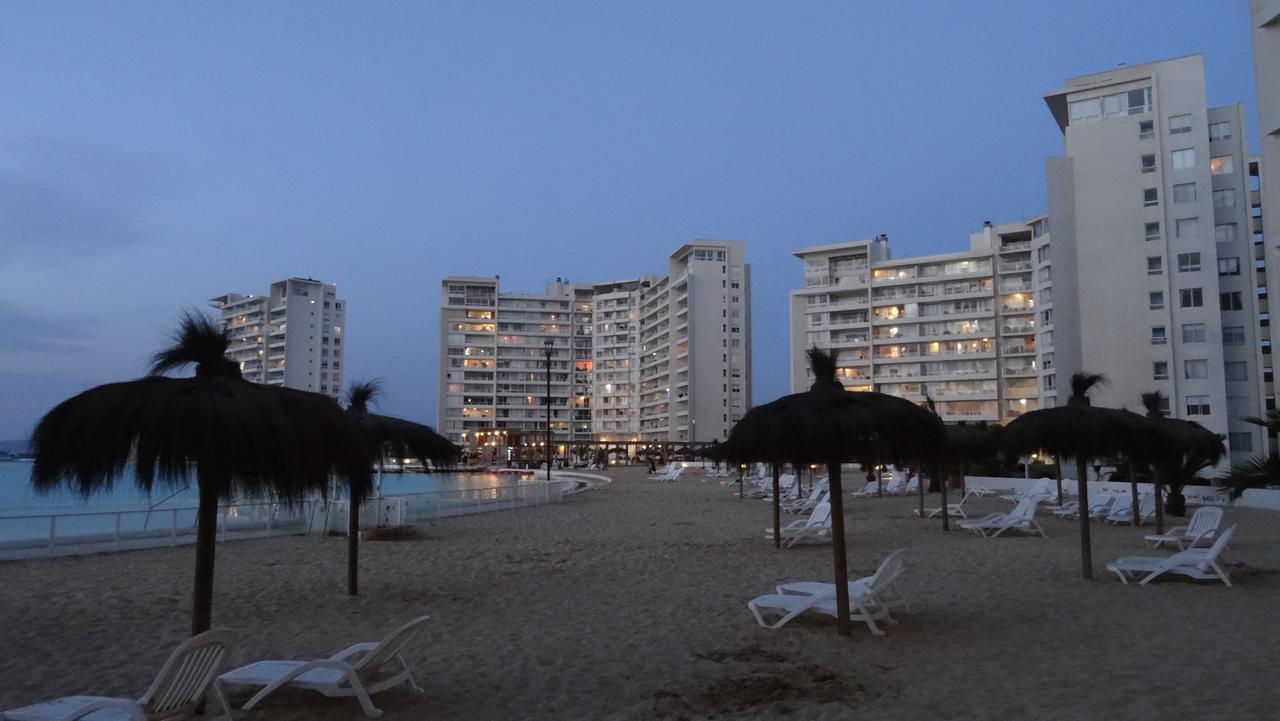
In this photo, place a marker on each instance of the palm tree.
(385, 437)
(1081, 431)
(1190, 449)
(1271, 422)
(233, 436)
(829, 425)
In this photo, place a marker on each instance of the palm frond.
(1082, 383)
(197, 341)
(1151, 401)
(1257, 472)
(363, 394)
(823, 365)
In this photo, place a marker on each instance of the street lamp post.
(546, 345)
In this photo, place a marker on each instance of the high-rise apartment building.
(291, 337)
(654, 358)
(1264, 26)
(966, 329)
(1152, 255)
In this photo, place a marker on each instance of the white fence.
(411, 508)
(64, 533)
(74, 532)
(1196, 495)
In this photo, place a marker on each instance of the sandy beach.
(629, 602)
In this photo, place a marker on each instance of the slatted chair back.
(183, 680)
(390, 647)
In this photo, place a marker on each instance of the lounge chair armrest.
(132, 708)
(1176, 531)
(358, 649)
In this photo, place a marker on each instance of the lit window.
(1160, 370)
(1188, 262)
(1183, 159)
(1184, 193)
(1228, 266)
(1179, 124)
(1220, 165)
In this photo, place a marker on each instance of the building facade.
(291, 337)
(1154, 272)
(965, 329)
(1264, 27)
(655, 358)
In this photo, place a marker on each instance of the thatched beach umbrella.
(1081, 431)
(829, 425)
(385, 437)
(1190, 447)
(233, 436)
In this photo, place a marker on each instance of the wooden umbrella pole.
(942, 485)
(838, 551)
(1057, 464)
(777, 510)
(353, 544)
(1158, 485)
(920, 489)
(1086, 548)
(1133, 494)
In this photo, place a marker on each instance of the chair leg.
(220, 693)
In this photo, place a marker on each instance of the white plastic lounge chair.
(865, 601)
(1041, 490)
(360, 670)
(867, 491)
(805, 505)
(1201, 530)
(910, 488)
(1099, 505)
(979, 491)
(1199, 563)
(177, 691)
(1121, 510)
(817, 527)
(953, 509)
(884, 581)
(1021, 518)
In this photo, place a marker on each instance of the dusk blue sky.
(154, 155)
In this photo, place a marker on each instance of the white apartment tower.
(695, 344)
(290, 337)
(967, 329)
(1152, 257)
(1264, 26)
(653, 358)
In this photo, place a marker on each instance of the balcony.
(1016, 267)
(1015, 245)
